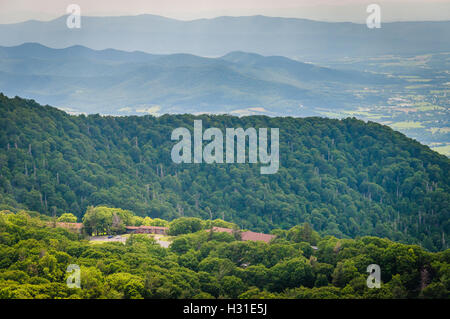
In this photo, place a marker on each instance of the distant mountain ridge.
(118, 82)
(291, 37)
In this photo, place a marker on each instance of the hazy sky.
(328, 10)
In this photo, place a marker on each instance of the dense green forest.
(34, 257)
(346, 178)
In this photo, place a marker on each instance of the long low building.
(147, 230)
(247, 235)
(75, 227)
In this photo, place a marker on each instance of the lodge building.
(247, 235)
(147, 230)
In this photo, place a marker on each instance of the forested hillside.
(346, 178)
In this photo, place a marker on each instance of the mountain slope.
(117, 82)
(345, 177)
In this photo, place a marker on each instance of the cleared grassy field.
(445, 150)
(406, 125)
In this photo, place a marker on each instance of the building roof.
(153, 227)
(249, 235)
(222, 230)
(69, 225)
(146, 227)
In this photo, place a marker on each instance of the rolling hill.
(346, 178)
(80, 79)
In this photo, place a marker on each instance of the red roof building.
(70, 226)
(222, 230)
(247, 235)
(147, 230)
